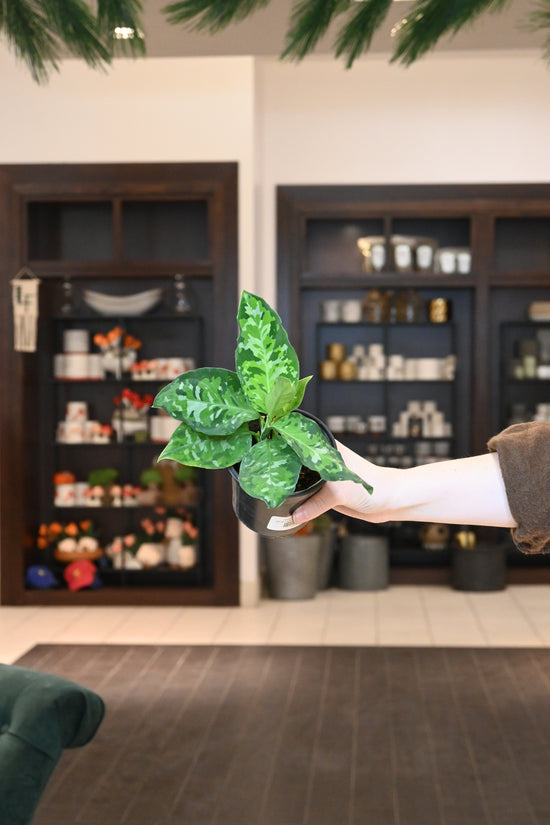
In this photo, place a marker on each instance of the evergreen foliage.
(426, 22)
(41, 32)
(212, 16)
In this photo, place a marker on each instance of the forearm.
(462, 491)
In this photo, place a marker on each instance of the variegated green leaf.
(209, 399)
(306, 438)
(263, 351)
(281, 397)
(302, 384)
(269, 471)
(213, 452)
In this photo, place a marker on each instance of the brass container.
(336, 352)
(328, 370)
(438, 312)
(347, 371)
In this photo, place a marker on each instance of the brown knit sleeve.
(524, 457)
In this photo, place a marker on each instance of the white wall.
(450, 118)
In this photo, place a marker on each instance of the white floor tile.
(248, 626)
(401, 615)
(195, 626)
(502, 621)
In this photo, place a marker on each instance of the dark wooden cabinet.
(117, 229)
(506, 231)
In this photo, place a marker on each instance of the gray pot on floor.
(292, 566)
(364, 563)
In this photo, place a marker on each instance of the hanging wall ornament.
(24, 291)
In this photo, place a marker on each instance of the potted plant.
(101, 479)
(249, 421)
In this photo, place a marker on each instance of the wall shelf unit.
(505, 229)
(119, 230)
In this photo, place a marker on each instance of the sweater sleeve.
(524, 457)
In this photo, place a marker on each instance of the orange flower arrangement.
(76, 539)
(116, 339)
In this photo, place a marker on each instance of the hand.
(347, 497)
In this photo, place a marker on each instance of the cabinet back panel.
(454, 232)
(170, 231)
(522, 244)
(331, 245)
(70, 232)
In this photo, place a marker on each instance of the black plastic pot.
(271, 523)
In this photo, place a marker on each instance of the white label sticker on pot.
(280, 523)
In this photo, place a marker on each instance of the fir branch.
(540, 19)
(28, 34)
(356, 36)
(40, 32)
(212, 15)
(76, 27)
(429, 20)
(121, 13)
(309, 21)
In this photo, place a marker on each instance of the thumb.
(322, 501)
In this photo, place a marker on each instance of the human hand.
(347, 497)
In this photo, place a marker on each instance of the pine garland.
(426, 22)
(40, 32)
(309, 22)
(212, 16)
(355, 38)
(429, 20)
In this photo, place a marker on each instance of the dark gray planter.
(364, 563)
(277, 521)
(479, 569)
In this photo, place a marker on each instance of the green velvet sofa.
(40, 716)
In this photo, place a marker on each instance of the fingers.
(330, 496)
(314, 506)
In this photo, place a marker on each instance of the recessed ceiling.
(263, 33)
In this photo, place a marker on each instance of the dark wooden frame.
(217, 182)
(482, 204)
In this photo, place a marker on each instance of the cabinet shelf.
(407, 381)
(523, 278)
(93, 317)
(387, 324)
(116, 445)
(139, 508)
(387, 280)
(110, 227)
(387, 438)
(107, 270)
(109, 382)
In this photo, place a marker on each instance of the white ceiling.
(263, 33)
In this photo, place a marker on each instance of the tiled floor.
(402, 615)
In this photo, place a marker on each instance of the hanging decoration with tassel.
(24, 291)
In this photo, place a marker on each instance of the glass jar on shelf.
(376, 306)
(407, 307)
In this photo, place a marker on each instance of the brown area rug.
(305, 736)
